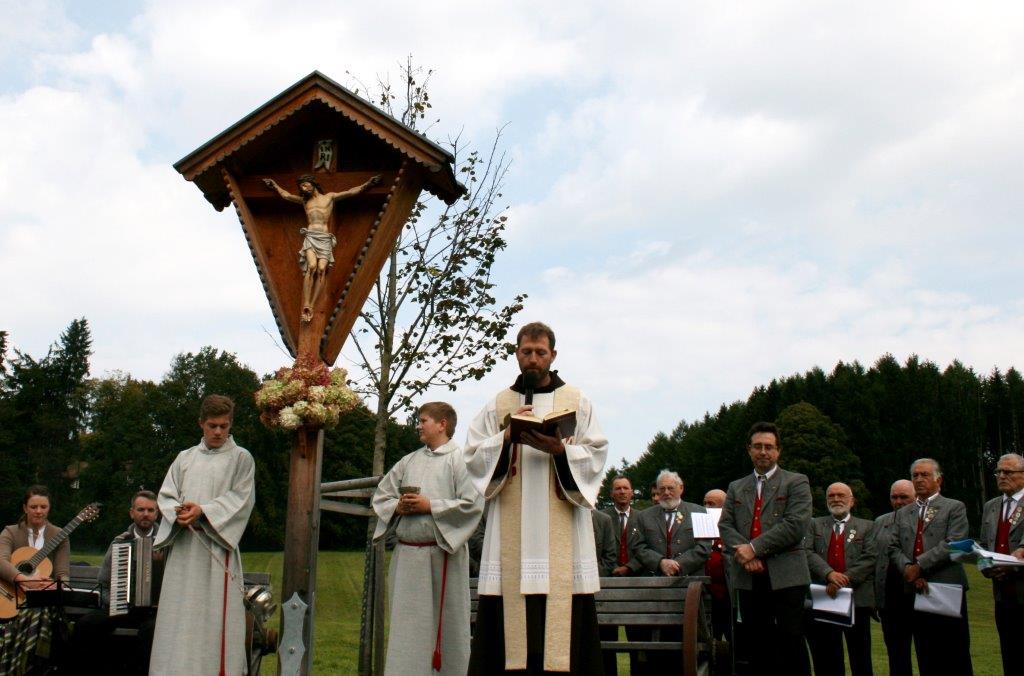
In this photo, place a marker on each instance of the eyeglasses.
(763, 447)
(1006, 472)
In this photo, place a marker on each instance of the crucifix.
(354, 207)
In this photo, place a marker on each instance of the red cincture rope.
(440, 616)
(224, 614)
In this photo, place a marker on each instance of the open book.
(561, 424)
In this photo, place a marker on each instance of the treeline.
(860, 426)
(103, 439)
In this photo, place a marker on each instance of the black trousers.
(773, 629)
(897, 624)
(826, 642)
(1010, 625)
(93, 642)
(487, 651)
(943, 644)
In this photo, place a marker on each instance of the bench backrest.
(633, 601)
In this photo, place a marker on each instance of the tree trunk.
(371, 657)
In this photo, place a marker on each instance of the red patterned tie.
(1003, 531)
(919, 538)
(668, 535)
(755, 524)
(623, 551)
(837, 550)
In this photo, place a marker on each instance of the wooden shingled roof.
(236, 142)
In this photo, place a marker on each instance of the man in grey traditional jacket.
(1002, 531)
(663, 539)
(918, 549)
(205, 502)
(763, 523)
(841, 553)
(894, 614)
(437, 508)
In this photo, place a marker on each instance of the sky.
(703, 196)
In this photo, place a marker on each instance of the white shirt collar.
(844, 520)
(767, 475)
(1016, 497)
(625, 513)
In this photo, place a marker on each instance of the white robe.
(416, 572)
(196, 590)
(586, 458)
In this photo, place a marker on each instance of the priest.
(205, 502)
(429, 498)
(538, 571)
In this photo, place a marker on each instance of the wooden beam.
(302, 531)
(354, 493)
(363, 482)
(345, 508)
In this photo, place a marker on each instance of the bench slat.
(638, 607)
(634, 646)
(678, 594)
(641, 619)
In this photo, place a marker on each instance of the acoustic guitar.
(33, 562)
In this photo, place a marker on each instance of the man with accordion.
(129, 587)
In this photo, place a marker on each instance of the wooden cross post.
(322, 182)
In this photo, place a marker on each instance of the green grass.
(340, 588)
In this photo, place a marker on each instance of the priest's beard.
(532, 378)
(670, 504)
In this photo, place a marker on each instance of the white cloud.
(705, 195)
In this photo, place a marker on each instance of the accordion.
(131, 575)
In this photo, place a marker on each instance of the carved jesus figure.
(317, 252)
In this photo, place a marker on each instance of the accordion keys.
(131, 575)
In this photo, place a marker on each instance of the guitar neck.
(57, 541)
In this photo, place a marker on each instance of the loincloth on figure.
(322, 243)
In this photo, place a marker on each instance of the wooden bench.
(655, 603)
(259, 640)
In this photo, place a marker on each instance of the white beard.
(838, 512)
(670, 505)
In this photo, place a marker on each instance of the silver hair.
(669, 474)
(1016, 457)
(938, 468)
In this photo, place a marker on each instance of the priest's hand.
(523, 410)
(669, 567)
(621, 571)
(188, 513)
(542, 442)
(838, 579)
(744, 553)
(912, 572)
(921, 585)
(411, 503)
(832, 589)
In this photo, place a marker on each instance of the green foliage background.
(860, 426)
(103, 439)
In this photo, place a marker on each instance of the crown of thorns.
(308, 178)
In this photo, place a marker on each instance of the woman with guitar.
(33, 530)
(19, 636)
